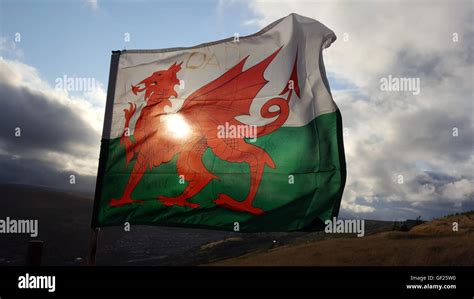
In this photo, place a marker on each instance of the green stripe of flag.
(312, 154)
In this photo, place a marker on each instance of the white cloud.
(10, 48)
(83, 156)
(350, 204)
(392, 133)
(459, 190)
(92, 4)
(97, 95)
(251, 22)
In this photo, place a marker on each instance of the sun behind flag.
(232, 134)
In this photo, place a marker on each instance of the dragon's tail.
(282, 115)
(283, 106)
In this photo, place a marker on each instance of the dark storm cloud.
(58, 136)
(45, 125)
(434, 178)
(39, 173)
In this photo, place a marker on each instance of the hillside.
(429, 244)
(64, 220)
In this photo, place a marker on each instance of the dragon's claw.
(228, 202)
(130, 111)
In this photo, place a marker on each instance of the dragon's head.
(160, 85)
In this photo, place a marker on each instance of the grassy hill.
(429, 244)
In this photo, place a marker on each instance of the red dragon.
(212, 105)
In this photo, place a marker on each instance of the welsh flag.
(240, 134)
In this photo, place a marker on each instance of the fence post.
(93, 246)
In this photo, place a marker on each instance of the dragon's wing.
(230, 95)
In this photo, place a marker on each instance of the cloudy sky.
(408, 154)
